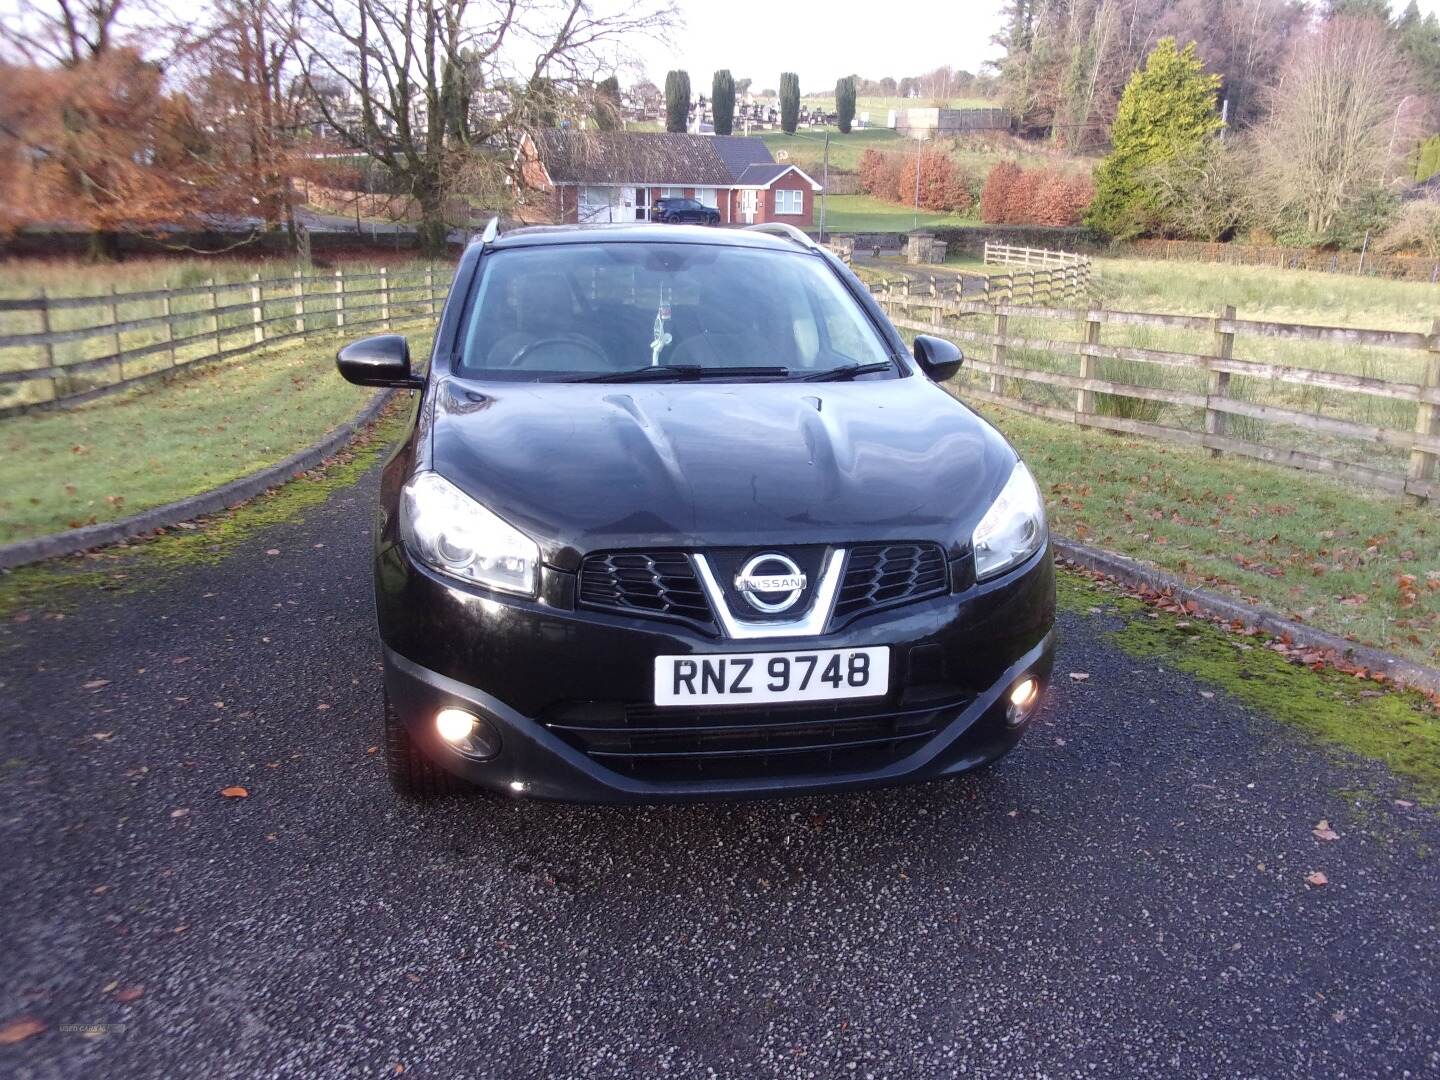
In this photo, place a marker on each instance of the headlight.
(453, 533)
(1013, 528)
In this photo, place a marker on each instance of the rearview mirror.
(382, 360)
(938, 358)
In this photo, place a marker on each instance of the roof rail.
(492, 230)
(787, 231)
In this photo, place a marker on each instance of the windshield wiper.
(849, 371)
(680, 372)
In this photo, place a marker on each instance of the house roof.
(765, 175)
(649, 157)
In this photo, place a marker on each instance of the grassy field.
(807, 148)
(125, 454)
(191, 311)
(1325, 553)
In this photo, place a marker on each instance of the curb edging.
(1133, 572)
(73, 541)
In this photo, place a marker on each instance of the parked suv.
(678, 515)
(679, 211)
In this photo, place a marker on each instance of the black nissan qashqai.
(678, 516)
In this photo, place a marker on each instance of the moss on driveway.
(1399, 728)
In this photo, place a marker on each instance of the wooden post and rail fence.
(79, 348)
(1041, 275)
(55, 363)
(933, 310)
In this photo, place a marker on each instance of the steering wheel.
(577, 340)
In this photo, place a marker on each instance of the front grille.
(881, 575)
(657, 583)
(803, 739)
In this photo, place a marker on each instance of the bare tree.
(237, 78)
(412, 69)
(1330, 137)
(63, 33)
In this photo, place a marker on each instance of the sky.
(823, 41)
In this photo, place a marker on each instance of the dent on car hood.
(587, 467)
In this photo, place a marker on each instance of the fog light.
(454, 725)
(1022, 697)
(472, 735)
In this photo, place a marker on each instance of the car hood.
(584, 467)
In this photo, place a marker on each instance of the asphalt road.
(1124, 895)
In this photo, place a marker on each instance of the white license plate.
(765, 678)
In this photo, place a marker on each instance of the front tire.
(411, 773)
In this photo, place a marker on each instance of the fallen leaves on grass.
(20, 1029)
(97, 684)
(1079, 676)
(129, 994)
(235, 792)
(1315, 879)
(1323, 831)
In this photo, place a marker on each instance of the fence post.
(169, 321)
(385, 298)
(257, 309)
(46, 328)
(299, 290)
(997, 355)
(339, 297)
(1084, 398)
(114, 310)
(214, 315)
(1427, 418)
(1219, 381)
(430, 288)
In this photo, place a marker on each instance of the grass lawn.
(124, 454)
(861, 213)
(1325, 553)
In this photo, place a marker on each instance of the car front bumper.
(520, 663)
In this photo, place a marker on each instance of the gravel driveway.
(1124, 895)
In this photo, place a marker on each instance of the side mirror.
(382, 360)
(938, 358)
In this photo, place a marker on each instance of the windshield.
(597, 309)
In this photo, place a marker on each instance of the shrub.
(1416, 228)
(1425, 161)
(942, 183)
(995, 195)
(1049, 196)
(1061, 198)
(880, 173)
(1168, 109)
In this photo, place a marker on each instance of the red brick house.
(611, 176)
